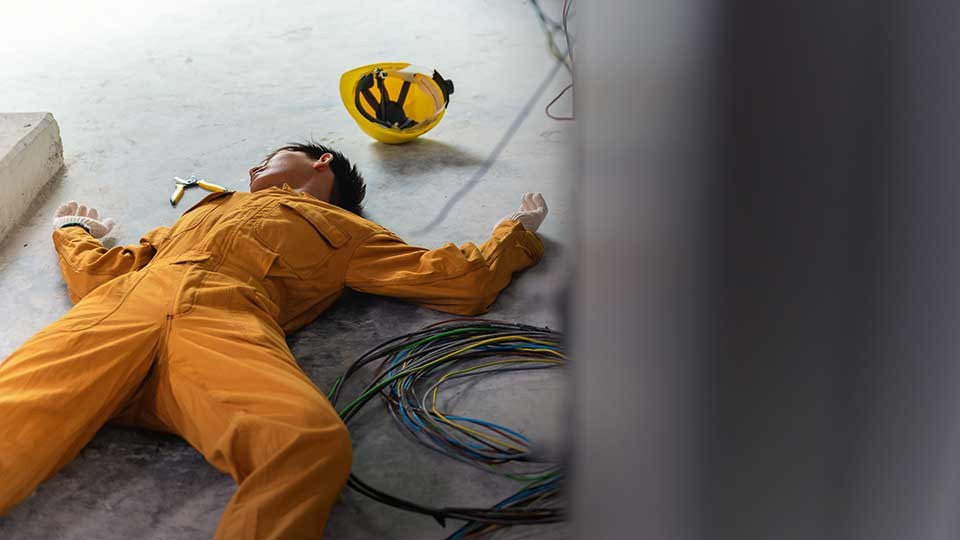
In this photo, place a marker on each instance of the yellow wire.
(494, 440)
(473, 346)
(555, 353)
(485, 342)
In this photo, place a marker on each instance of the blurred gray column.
(644, 87)
(766, 310)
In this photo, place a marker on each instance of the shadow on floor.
(422, 155)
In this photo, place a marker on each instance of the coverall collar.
(286, 187)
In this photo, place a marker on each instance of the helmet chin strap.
(389, 113)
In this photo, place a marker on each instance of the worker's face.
(297, 169)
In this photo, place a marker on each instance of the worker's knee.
(323, 432)
(341, 449)
(322, 448)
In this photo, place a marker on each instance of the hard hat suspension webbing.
(403, 93)
(384, 97)
(388, 113)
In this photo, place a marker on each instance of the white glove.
(532, 212)
(73, 212)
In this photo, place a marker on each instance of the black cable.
(494, 154)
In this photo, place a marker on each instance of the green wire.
(365, 396)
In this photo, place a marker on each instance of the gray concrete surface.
(30, 155)
(145, 92)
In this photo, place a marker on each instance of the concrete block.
(30, 154)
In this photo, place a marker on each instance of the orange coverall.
(184, 333)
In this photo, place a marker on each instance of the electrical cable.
(554, 100)
(567, 4)
(494, 154)
(414, 368)
(565, 59)
(550, 29)
(567, 55)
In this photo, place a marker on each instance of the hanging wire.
(552, 29)
(564, 58)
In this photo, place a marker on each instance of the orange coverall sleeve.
(464, 280)
(86, 264)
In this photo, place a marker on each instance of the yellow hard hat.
(394, 102)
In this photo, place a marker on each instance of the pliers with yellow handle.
(182, 186)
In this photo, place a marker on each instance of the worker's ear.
(324, 160)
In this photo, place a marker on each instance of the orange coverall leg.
(65, 382)
(221, 377)
(236, 394)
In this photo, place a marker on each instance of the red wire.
(554, 100)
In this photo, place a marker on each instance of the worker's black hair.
(348, 185)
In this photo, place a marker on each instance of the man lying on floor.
(184, 334)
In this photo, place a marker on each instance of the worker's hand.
(532, 212)
(74, 212)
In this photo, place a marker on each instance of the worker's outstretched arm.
(464, 280)
(84, 261)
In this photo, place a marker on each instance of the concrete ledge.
(30, 154)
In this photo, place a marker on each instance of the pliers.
(182, 185)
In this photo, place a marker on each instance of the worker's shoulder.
(356, 226)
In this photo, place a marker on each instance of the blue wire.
(526, 493)
(488, 424)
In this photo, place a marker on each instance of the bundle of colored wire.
(413, 369)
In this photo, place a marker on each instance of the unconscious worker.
(184, 333)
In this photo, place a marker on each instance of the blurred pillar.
(643, 113)
(765, 310)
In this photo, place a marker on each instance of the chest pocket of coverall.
(195, 215)
(292, 233)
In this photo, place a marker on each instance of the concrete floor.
(145, 92)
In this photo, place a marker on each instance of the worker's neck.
(307, 189)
